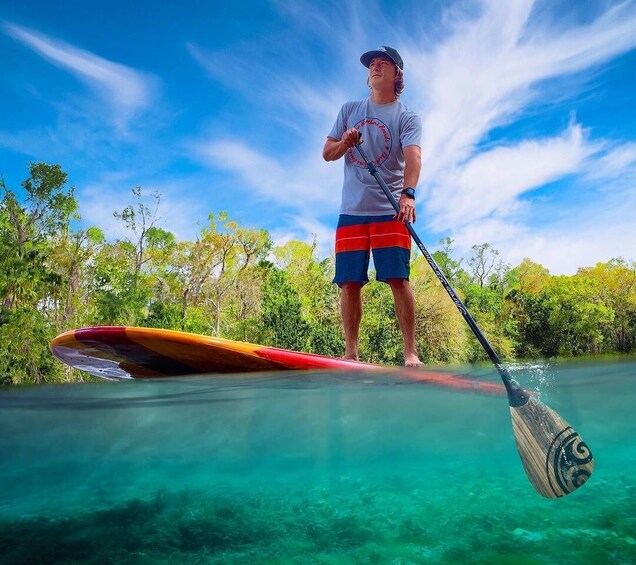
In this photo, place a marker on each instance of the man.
(391, 135)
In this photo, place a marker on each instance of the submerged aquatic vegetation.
(342, 521)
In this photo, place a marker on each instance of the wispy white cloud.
(473, 70)
(484, 66)
(493, 66)
(126, 90)
(302, 184)
(565, 250)
(617, 163)
(493, 181)
(491, 70)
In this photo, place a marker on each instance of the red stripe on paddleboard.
(306, 361)
(456, 383)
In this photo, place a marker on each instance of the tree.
(526, 309)
(139, 219)
(528, 277)
(311, 279)
(440, 329)
(25, 276)
(616, 284)
(484, 262)
(120, 295)
(70, 255)
(567, 317)
(282, 312)
(380, 335)
(28, 281)
(133, 273)
(451, 268)
(25, 334)
(210, 270)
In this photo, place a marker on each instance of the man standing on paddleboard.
(368, 223)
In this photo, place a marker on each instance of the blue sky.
(527, 108)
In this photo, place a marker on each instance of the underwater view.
(313, 467)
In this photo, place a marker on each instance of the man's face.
(381, 72)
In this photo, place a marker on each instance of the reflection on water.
(311, 467)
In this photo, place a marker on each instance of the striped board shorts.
(358, 236)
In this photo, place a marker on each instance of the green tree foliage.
(217, 279)
(282, 311)
(564, 315)
(71, 254)
(441, 330)
(120, 293)
(484, 263)
(578, 318)
(380, 337)
(26, 232)
(25, 357)
(452, 268)
(311, 279)
(28, 279)
(232, 282)
(616, 285)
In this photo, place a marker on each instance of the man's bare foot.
(350, 358)
(412, 361)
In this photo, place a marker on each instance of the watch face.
(409, 192)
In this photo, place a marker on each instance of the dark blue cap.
(384, 51)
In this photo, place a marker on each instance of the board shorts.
(358, 236)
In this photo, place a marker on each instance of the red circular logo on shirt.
(372, 128)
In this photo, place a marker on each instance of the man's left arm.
(412, 168)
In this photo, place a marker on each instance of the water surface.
(309, 468)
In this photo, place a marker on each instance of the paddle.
(555, 458)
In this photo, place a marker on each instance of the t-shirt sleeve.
(411, 130)
(341, 123)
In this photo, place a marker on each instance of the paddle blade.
(556, 459)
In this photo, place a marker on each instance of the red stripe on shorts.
(377, 235)
(352, 238)
(390, 234)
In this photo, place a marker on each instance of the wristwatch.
(409, 192)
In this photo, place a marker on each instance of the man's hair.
(399, 81)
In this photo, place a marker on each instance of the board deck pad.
(122, 352)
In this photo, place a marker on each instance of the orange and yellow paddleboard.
(118, 352)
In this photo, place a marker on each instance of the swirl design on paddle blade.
(567, 462)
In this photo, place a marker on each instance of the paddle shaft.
(555, 458)
(516, 395)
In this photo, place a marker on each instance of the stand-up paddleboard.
(117, 352)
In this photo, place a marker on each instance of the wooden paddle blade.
(556, 459)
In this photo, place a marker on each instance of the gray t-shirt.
(386, 129)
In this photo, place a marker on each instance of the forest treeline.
(231, 281)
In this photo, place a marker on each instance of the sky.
(527, 107)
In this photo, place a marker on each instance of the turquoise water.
(309, 468)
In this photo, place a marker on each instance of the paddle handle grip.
(517, 396)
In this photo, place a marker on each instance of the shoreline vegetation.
(233, 282)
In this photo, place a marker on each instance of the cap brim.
(367, 57)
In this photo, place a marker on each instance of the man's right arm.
(336, 148)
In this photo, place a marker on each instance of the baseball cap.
(384, 51)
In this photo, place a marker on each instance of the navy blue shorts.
(358, 236)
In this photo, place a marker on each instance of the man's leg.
(351, 311)
(405, 310)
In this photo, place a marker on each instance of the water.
(309, 468)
